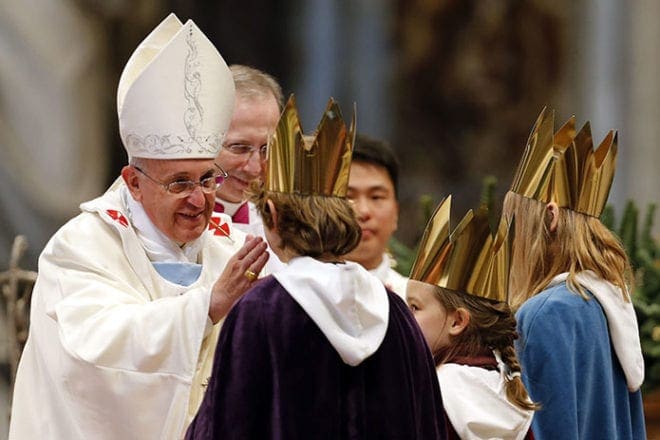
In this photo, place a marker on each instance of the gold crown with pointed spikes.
(467, 259)
(310, 165)
(564, 167)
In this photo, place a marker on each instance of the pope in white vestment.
(113, 347)
(121, 336)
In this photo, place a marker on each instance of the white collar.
(621, 321)
(493, 417)
(382, 270)
(350, 306)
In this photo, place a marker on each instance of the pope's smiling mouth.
(191, 216)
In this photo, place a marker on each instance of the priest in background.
(257, 108)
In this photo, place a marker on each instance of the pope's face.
(181, 219)
(371, 191)
(254, 118)
(431, 315)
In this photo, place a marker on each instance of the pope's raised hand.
(237, 277)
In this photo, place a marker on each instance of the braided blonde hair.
(492, 326)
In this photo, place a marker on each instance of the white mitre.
(175, 96)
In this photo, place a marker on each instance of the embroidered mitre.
(175, 96)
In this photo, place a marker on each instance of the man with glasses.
(127, 306)
(257, 108)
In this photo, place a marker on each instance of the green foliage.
(488, 192)
(403, 255)
(645, 259)
(647, 243)
(628, 230)
(607, 217)
(428, 208)
(487, 200)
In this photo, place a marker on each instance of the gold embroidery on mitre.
(469, 258)
(318, 164)
(565, 168)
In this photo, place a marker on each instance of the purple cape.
(276, 376)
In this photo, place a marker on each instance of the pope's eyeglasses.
(183, 188)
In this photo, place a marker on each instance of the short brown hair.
(310, 225)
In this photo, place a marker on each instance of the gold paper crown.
(467, 259)
(318, 164)
(565, 168)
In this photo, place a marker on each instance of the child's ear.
(552, 212)
(460, 318)
(273, 212)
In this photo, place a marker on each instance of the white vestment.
(477, 406)
(115, 351)
(392, 279)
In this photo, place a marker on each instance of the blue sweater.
(570, 368)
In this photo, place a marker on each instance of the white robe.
(476, 404)
(348, 304)
(114, 349)
(392, 279)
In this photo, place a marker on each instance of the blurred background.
(454, 85)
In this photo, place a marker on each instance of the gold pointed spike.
(468, 239)
(468, 258)
(341, 183)
(429, 260)
(533, 173)
(569, 173)
(565, 135)
(571, 164)
(282, 146)
(561, 180)
(598, 177)
(310, 165)
(493, 283)
(330, 145)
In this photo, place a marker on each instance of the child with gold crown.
(457, 292)
(571, 282)
(321, 349)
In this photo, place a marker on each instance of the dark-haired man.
(372, 188)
